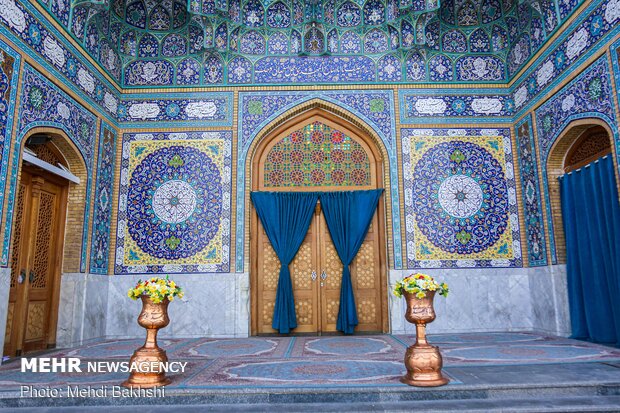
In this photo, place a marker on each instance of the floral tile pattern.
(100, 244)
(173, 184)
(10, 62)
(587, 96)
(530, 189)
(460, 198)
(148, 43)
(43, 104)
(258, 109)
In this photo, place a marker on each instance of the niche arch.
(334, 118)
(581, 142)
(78, 196)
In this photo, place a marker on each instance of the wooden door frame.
(56, 259)
(72, 213)
(255, 161)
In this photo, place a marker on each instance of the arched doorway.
(587, 221)
(582, 142)
(50, 172)
(319, 151)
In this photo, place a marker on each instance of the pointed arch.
(312, 111)
(76, 221)
(555, 166)
(342, 117)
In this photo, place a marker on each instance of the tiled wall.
(391, 113)
(465, 165)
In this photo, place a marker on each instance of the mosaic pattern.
(43, 104)
(316, 155)
(530, 189)
(9, 74)
(314, 70)
(174, 201)
(174, 205)
(258, 109)
(151, 73)
(427, 106)
(24, 25)
(460, 198)
(213, 109)
(515, 31)
(594, 26)
(588, 95)
(100, 243)
(615, 58)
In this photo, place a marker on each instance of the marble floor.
(324, 362)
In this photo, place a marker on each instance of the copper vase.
(423, 361)
(152, 317)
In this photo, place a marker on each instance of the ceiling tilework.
(145, 43)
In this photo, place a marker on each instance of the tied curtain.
(285, 217)
(591, 215)
(348, 216)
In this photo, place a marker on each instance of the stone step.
(344, 399)
(583, 404)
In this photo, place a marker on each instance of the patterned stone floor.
(334, 361)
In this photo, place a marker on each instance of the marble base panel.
(5, 280)
(83, 308)
(218, 305)
(214, 305)
(484, 300)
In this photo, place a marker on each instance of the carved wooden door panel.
(331, 276)
(365, 277)
(34, 264)
(303, 276)
(18, 263)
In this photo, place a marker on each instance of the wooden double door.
(316, 273)
(39, 218)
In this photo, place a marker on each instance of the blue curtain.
(348, 216)
(591, 215)
(286, 218)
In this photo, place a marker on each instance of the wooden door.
(303, 277)
(316, 274)
(318, 152)
(39, 220)
(365, 277)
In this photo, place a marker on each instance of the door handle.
(323, 275)
(313, 275)
(31, 277)
(21, 277)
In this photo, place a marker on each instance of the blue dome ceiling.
(426, 41)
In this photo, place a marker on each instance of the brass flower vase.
(423, 361)
(150, 356)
